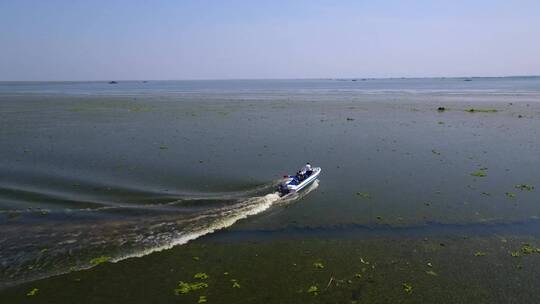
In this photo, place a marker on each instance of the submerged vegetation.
(186, 287)
(528, 249)
(407, 287)
(525, 249)
(365, 195)
(523, 187)
(370, 266)
(99, 260)
(474, 110)
(118, 105)
(235, 283)
(32, 292)
(510, 195)
(201, 276)
(479, 173)
(314, 290)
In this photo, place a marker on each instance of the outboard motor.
(283, 190)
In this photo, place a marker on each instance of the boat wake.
(61, 242)
(226, 217)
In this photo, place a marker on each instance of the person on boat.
(300, 176)
(307, 169)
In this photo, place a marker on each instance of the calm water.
(122, 170)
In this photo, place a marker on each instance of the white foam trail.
(157, 234)
(250, 207)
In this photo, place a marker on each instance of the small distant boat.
(303, 178)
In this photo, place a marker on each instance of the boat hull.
(306, 182)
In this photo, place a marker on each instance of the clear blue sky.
(181, 39)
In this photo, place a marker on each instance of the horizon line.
(295, 78)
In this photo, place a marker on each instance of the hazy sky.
(181, 39)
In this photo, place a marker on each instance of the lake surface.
(166, 179)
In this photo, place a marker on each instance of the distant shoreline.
(270, 79)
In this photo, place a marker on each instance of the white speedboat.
(295, 183)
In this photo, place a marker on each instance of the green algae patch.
(99, 260)
(528, 249)
(186, 287)
(111, 106)
(480, 110)
(479, 173)
(32, 292)
(201, 276)
(407, 288)
(140, 109)
(202, 299)
(365, 195)
(510, 195)
(314, 290)
(275, 281)
(318, 265)
(524, 187)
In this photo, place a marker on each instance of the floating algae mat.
(479, 173)
(398, 271)
(474, 110)
(99, 260)
(119, 193)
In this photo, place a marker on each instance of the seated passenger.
(307, 169)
